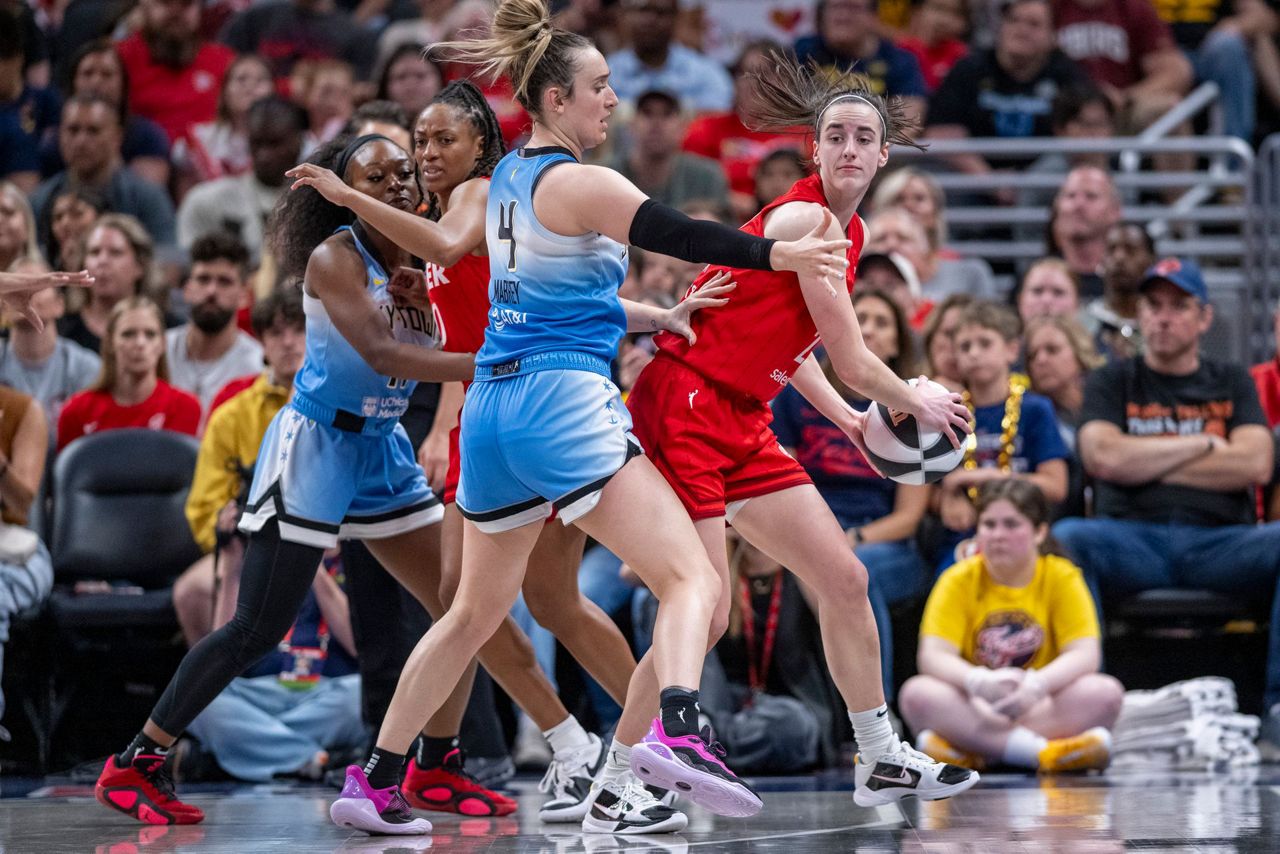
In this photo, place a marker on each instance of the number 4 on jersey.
(506, 234)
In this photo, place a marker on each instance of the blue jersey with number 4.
(548, 293)
(334, 375)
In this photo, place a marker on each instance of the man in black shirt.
(1176, 445)
(1007, 91)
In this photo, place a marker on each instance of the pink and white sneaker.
(373, 810)
(693, 766)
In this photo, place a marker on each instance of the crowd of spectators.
(148, 143)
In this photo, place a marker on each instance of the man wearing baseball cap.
(1176, 444)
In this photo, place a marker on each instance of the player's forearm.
(813, 386)
(642, 317)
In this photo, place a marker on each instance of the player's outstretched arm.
(336, 275)
(649, 318)
(576, 199)
(459, 231)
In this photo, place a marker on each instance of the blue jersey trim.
(550, 361)
(317, 411)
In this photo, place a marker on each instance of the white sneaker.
(625, 805)
(568, 779)
(907, 772)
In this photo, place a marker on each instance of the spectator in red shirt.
(175, 77)
(131, 390)
(726, 136)
(1266, 377)
(1128, 52)
(936, 36)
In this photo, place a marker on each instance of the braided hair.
(464, 97)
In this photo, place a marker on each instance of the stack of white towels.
(1191, 725)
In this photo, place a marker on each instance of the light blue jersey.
(335, 378)
(553, 299)
(335, 462)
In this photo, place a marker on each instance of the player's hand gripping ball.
(905, 453)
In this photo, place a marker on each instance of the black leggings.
(274, 581)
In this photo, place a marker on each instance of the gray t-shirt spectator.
(205, 379)
(238, 205)
(701, 83)
(70, 369)
(961, 276)
(693, 178)
(125, 193)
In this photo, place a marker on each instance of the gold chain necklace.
(1008, 429)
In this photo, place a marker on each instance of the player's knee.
(551, 612)
(719, 624)
(844, 585)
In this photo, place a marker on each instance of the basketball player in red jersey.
(457, 142)
(702, 411)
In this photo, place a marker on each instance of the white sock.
(1023, 748)
(875, 736)
(617, 762)
(566, 736)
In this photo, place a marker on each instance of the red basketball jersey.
(460, 302)
(756, 342)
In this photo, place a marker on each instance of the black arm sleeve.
(658, 228)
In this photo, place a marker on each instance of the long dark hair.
(406, 49)
(303, 219)
(93, 48)
(525, 47)
(463, 96)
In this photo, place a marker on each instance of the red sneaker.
(144, 790)
(450, 788)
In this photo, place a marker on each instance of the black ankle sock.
(679, 711)
(432, 751)
(141, 744)
(384, 768)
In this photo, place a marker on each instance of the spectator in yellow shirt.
(1010, 650)
(227, 454)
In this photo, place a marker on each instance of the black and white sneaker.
(568, 779)
(625, 805)
(906, 772)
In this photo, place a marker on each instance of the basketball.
(905, 453)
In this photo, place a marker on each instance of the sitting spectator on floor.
(26, 111)
(939, 339)
(175, 75)
(726, 137)
(75, 210)
(210, 350)
(654, 60)
(119, 255)
(286, 713)
(765, 687)
(240, 204)
(42, 363)
(89, 139)
(1050, 289)
(654, 162)
(1128, 53)
(1015, 431)
(228, 452)
(1007, 91)
(897, 230)
(97, 69)
(1010, 651)
(1176, 445)
(26, 573)
(1086, 206)
(936, 37)
(220, 147)
(132, 388)
(1112, 318)
(848, 40)
(879, 517)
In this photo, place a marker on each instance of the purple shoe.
(693, 766)
(374, 810)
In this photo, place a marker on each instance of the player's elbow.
(379, 355)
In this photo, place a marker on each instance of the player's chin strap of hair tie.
(344, 157)
(850, 96)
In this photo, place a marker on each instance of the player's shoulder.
(793, 220)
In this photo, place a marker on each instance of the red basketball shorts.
(712, 444)
(450, 493)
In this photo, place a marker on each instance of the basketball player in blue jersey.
(334, 463)
(544, 427)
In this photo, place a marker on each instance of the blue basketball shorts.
(323, 484)
(540, 440)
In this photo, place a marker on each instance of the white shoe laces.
(560, 772)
